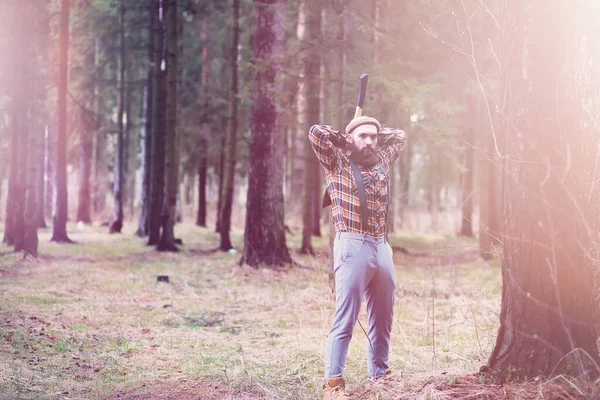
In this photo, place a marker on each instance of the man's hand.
(386, 134)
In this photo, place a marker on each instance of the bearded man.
(356, 167)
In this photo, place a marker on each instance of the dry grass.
(90, 321)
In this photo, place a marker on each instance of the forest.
(163, 232)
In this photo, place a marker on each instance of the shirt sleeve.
(391, 146)
(323, 140)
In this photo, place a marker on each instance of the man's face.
(364, 143)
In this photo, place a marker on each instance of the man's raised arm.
(324, 139)
(391, 143)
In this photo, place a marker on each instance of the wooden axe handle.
(362, 91)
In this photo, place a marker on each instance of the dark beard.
(365, 157)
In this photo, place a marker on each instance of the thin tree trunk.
(13, 181)
(167, 239)
(317, 204)
(99, 186)
(119, 171)
(204, 127)
(40, 180)
(30, 237)
(50, 178)
(20, 122)
(221, 180)
(147, 136)
(231, 136)
(157, 178)
(311, 75)
(59, 231)
(85, 157)
(202, 171)
(264, 236)
(298, 120)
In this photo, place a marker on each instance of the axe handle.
(362, 91)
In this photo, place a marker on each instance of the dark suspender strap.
(361, 195)
(387, 200)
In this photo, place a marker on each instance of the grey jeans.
(363, 266)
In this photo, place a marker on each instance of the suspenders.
(362, 196)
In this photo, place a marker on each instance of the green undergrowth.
(91, 321)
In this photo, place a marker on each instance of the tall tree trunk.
(86, 138)
(40, 198)
(147, 136)
(99, 164)
(312, 65)
(204, 127)
(221, 180)
(19, 122)
(42, 44)
(202, 171)
(264, 236)
(51, 136)
(85, 158)
(230, 140)
(157, 179)
(167, 239)
(59, 231)
(30, 223)
(13, 179)
(119, 171)
(299, 136)
(317, 197)
(547, 322)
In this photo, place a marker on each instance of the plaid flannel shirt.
(333, 154)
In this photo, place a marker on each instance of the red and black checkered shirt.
(345, 203)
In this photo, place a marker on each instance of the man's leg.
(380, 296)
(352, 256)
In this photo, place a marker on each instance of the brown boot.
(334, 389)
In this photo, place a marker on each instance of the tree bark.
(167, 239)
(20, 121)
(30, 237)
(147, 136)
(40, 180)
(119, 171)
(230, 139)
(59, 231)
(221, 174)
(157, 178)
(202, 171)
(100, 169)
(547, 324)
(204, 127)
(312, 63)
(51, 136)
(130, 151)
(264, 236)
(85, 166)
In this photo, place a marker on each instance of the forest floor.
(91, 321)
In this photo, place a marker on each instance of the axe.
(362, 92)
